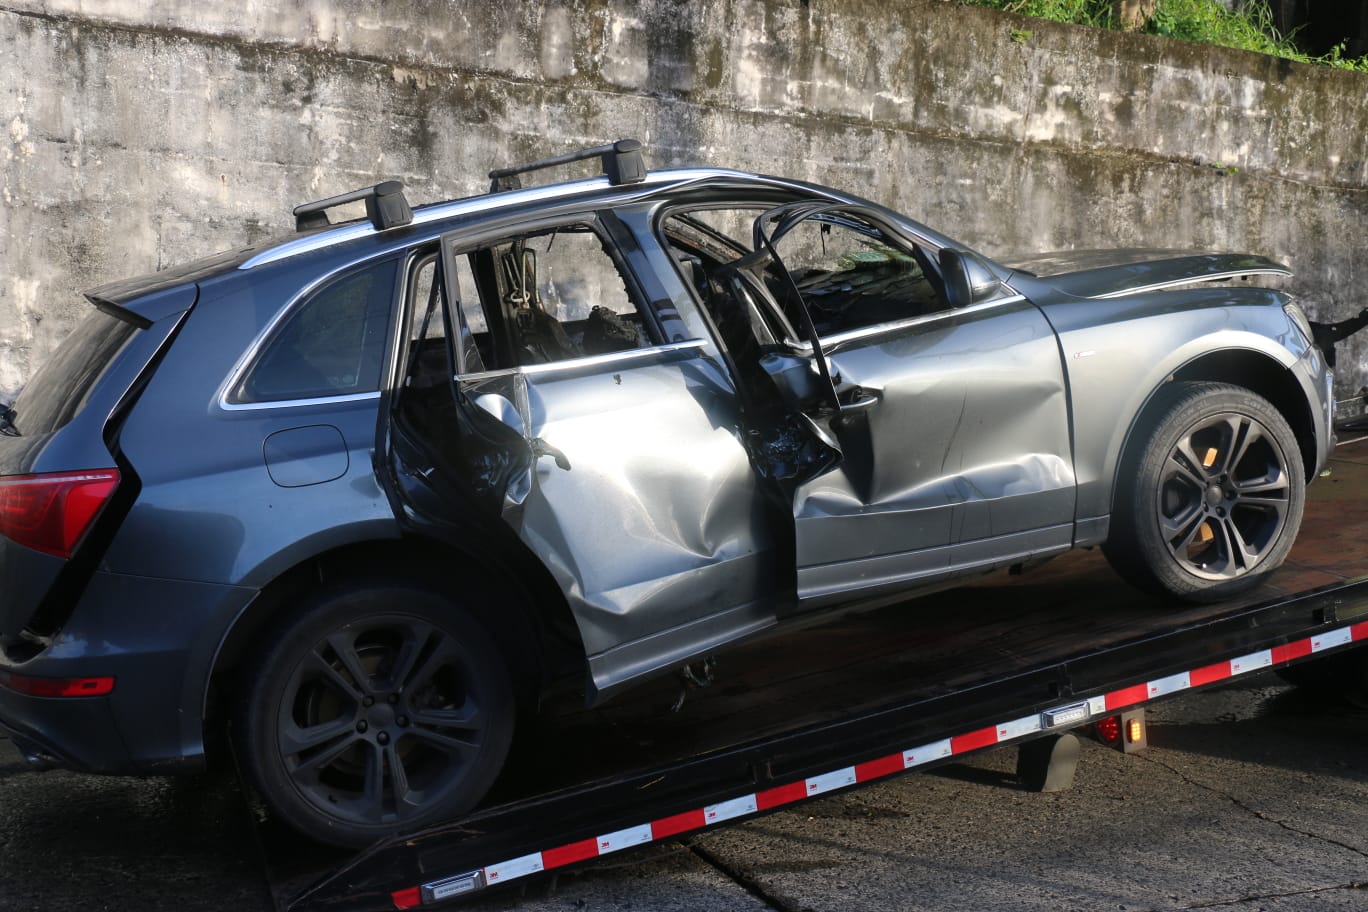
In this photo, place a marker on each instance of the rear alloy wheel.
(1213, 499)
(380, 708)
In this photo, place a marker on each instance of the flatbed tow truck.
(1010, 660)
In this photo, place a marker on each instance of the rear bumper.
(76, 733)
(158, 639)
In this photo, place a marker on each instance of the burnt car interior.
(785, 446)
(526, 300)
(541, 298)
(811, 271)
(844, 269)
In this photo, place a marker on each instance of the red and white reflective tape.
(765, 800)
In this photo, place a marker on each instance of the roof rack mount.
(386, 207)
(622, 163)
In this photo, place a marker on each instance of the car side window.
(851, 274)
(333, 344)
(546, 297)
(703, 242)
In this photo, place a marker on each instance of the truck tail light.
(50, 512)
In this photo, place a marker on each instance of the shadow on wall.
(1321, 26)
(669, 67)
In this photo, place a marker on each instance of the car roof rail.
(622, 163)
(386, 207)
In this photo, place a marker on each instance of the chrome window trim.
(576, 364)
(249, 356)
(878, 329)
(1193, 280)
(297, 403)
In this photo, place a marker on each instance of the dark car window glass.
(333, 345)
(61, 386)
(851, 275)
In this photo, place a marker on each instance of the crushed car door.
(613, 455)
(952, 421)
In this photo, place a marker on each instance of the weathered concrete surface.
(140, 134)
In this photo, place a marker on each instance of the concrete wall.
(138, 134)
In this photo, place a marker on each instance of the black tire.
(1210, 496)
(375, 707)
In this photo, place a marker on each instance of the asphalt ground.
(1251, 797)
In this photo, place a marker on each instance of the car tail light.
(56, 687)
(51, 512)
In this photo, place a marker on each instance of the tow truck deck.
(1006, 660)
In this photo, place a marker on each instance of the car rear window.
(60, 388)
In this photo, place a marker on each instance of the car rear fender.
(512, 593)
(40, 590)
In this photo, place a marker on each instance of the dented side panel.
(640, 500)
(967, 445)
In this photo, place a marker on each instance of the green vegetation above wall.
(1249, 28)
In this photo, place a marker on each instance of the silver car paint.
(640, 501)
(639, 485)
(645, 505)
(1119, 351)
(958, 448)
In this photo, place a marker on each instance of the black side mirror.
(968, 277)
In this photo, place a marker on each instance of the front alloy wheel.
(1223, 497)
(1211, 496)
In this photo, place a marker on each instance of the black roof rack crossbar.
(622, 163)
(386, 207)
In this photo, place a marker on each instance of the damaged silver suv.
(370, 488)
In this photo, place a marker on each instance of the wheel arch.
(1252, 368)
(538, 635)
(1154, 486)
(1264, 376)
